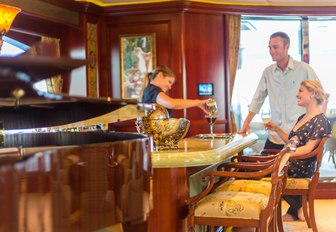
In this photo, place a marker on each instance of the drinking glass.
(266, 116)
(211, 120)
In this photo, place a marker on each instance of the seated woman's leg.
(295, 203)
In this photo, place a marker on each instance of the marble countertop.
(195, 151)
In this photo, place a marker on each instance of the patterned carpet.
(325, 211)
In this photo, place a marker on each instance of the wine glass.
(211, 106)
(211, 120)
(266, 116)
(211, 116)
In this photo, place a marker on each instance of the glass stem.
(211, 128)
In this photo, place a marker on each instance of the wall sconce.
(7, 15)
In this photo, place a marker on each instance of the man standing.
(279, 81)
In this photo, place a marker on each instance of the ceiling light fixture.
(7, 15)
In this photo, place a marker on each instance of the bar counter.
(172, 169)
(195, 151)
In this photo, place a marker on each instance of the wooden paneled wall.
(191, 43)
(204, 48)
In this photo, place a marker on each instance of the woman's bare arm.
(177, 103)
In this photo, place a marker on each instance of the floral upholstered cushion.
(297, 183)
(229, 204)
(254, 186)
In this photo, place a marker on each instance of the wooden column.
(170, 191)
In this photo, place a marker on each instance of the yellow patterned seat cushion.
(295, 183)
(254, 186)
(229, 204)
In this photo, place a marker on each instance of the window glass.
(322, 37)
(12, 47)
(254, 58)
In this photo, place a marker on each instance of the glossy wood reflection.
(78, 188)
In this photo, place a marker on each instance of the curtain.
(233, 33)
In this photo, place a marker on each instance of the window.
(12, 47)
(254, 56)
(322, 37)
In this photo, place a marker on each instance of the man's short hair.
(282, 35)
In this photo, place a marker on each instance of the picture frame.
(137, 58)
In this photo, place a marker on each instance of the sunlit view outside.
(323, 56)
(10, 47)
(255, 57)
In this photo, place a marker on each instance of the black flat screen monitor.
(205, 89)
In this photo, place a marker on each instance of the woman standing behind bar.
(157, 83)
(310, 128)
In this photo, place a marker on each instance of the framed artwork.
(138, 57)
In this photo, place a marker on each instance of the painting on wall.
(138, 57)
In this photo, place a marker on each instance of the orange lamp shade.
(7, 15)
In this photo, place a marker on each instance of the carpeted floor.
(325, 211)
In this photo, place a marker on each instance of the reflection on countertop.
(194, 151)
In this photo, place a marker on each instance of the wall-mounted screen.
(205, 89)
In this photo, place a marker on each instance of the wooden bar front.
(172, 169)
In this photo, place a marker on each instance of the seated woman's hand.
(271, 126)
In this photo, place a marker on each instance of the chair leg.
(312, 214)
(212, 229)
(305, 210)
(279, 218)
(274, 220)
(272, 225)
(191, 223)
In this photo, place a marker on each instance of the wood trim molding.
(46, 10)
(213, 8)
(325, 190)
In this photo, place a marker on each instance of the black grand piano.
(65, 181)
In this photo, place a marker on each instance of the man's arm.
(246, 126)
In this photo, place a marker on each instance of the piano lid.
(22, 106)
(40, 67)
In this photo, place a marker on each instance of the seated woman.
(157, 83)
(309, 129)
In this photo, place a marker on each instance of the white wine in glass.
(266, 116)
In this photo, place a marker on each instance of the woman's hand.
(201, 104)
(271, 126)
